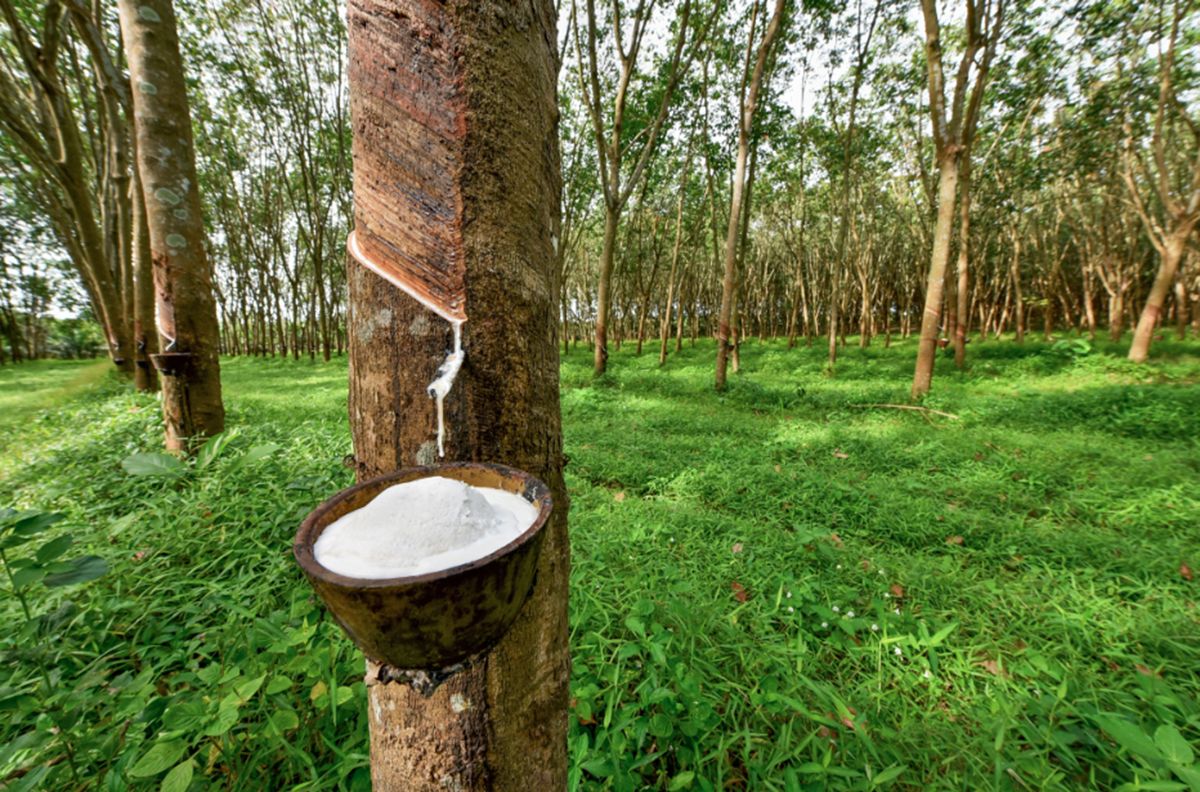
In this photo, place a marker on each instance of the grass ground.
(775, 588)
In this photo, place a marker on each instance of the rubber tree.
(456, 164)
(953, 133)
(613, 146)
(748, 101)
(1180, 203)
(185, 312)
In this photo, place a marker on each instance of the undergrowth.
(785, 586)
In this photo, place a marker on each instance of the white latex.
(422, 526)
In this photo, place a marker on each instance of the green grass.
(1021, 619)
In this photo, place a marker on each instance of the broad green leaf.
(1189, 774)
(212, 448)
(54, 548)
(682, 781)
(1129, 736)
(160, 756)
(179, 778)
(153, 464)
(259, 452)
(27, 576)
(185, 715)
(278, 684)
(245, 690)
(81, 570)
(1174, 748)
(34, 524)
(284, 720)
(227, 718)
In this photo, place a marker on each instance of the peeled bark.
(476, 81)
(184, 307)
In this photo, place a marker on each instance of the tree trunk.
(1171, 253)
(474, 82)
(604, 291)
(935, 287)
(145, 339)
(745, 127)
(186, 312)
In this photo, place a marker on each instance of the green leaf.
(153, 464)
(278, 684)
(284, 720)
(212, 448)
(54, 548)
(681, 781)
(27, 527)
(1189, 774)
(1174, 748)
(248, 688)
(34, 524)
(891, 774)
(227, 718)
(636, 626)
(179, 778)
(1129, 736)
(81, 570)
(160, 756)
(259, 452)
(27, 576)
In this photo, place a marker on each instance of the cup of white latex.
(427, 566)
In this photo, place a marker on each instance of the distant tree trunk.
(1172, 253)
(1018, 295)
(186, 311)
(745, 128)
(475, 84)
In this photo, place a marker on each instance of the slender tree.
(748, 101)
(953, 133)
(184, 306)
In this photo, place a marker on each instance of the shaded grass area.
(773, 588)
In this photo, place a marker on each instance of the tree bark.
(935, 287)
(183, 277)
(1172, 252)
(145, 339)
(475, 81)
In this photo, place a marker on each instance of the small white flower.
(880, 571)
(927, 675)
(672, 540)
(897, 611)
(791, 609)
(836, 609)
(789, 595)
(886, 595)
(839, 566)
(897, 651)
(824, 624)
(874, 628)
(849, 614)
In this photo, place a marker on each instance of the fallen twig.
(913, 407)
